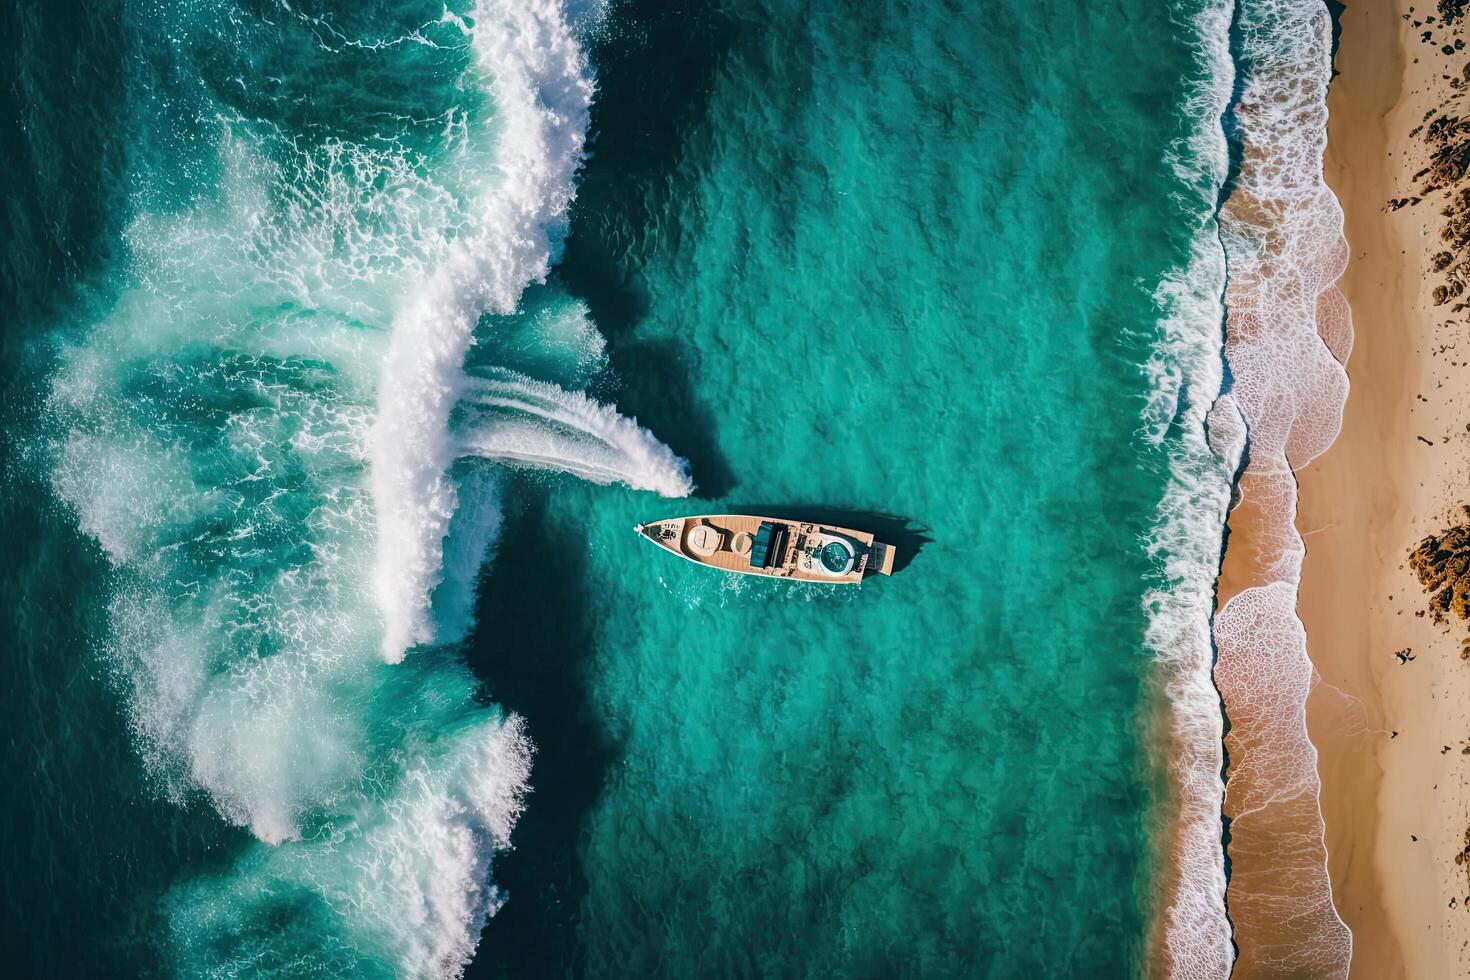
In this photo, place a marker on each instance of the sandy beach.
(1391, 714)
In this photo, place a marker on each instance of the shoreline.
(1393, 798)
(1287, 334)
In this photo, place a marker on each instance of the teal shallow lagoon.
(897, 262)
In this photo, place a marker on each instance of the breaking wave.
(538, 78)
(1203, 446)
(260, 409)
(1258, 294)
(1288, 333)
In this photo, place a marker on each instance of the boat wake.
(272, 398)
(536, 425)
(514, 421)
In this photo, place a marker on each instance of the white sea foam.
(512, 420)
(1202, 437)
(1281, 886)
(536, 425)
(1287, 333)
(423, 873)
(402, 882)
(214, 431)
(538, 79)
(1275, 253)
(474, 531)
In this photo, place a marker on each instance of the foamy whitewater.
(265, 411)
(335, 352)
(1186, 376)
(1264, 269)
(538, 79)
(1288, 333)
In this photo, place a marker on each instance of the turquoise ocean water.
(899, 265)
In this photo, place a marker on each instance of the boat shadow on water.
(906, 537)
(655, 76)
(531, 645)
(657, 390)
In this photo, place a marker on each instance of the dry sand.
(1395, 805)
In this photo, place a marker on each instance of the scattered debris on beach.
(1442, 564)
(1463, 859)
(1445, 133)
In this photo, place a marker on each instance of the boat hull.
(799, 551)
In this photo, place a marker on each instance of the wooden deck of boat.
(729, 560)
(735, 524)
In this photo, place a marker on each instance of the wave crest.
(539, 81)
(243, 434)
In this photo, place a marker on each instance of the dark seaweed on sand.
(1442, 563)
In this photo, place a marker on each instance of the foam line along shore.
(1287, 334)
(1266, 396)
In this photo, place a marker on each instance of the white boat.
(776, 548)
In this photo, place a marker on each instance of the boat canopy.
(769, 545)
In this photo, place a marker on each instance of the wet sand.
(1391, 731)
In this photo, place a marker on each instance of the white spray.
(542, 91)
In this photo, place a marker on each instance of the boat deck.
(723, 541)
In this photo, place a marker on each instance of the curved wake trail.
(539, 81)
(260, 409)
(536, 425)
